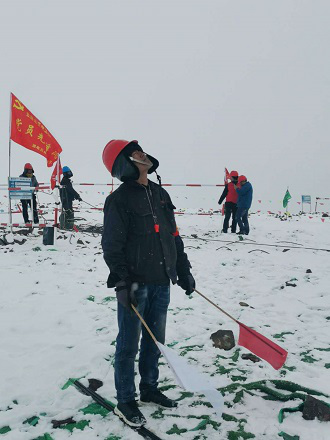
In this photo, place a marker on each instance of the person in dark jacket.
(68, 195)
(144, 252)
(28, 172)
(245, 193)
(229, 193)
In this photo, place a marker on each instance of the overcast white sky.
(201, 84)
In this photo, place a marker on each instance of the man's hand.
(187, 283)
(125, 293)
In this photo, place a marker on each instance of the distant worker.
(68, 195)
(28, 172)
(245, 193)
(229, 193)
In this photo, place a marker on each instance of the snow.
(58, 321)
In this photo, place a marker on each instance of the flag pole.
(215, 305)
(57, 198)
(9, 167)
(145, 324)
(224, 181)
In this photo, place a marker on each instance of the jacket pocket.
(141, 222)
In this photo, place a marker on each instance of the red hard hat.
(28, 166)
(112, 150)
(241, 179)
(119, 165)
(233, 174)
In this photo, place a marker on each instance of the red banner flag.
(55, 173)
(261, 346)
(28, 131)
(227, 176)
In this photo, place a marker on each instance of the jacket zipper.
(156, 224)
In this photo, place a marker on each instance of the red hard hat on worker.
(233, 174)
(242, 179)
(112, 150)
(116, 158)
(28, 166)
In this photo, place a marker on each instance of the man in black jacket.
(144, 252)
(68, 195)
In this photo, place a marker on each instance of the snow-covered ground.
(58, 321)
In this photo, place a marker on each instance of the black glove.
(187, 283)
(125, 293)
(79, 199)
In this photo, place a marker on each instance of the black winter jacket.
(132, 248)
(34, 181)
(68, 194)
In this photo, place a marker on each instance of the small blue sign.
(306, 199)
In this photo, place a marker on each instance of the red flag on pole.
(227, 176)
(261, 346)
(57, 172)
(28, 131)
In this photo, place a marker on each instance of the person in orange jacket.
(229, 193)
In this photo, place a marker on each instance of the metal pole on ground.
(56, 199)
(9, 172)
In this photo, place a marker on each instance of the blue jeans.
(242, 220)
(153, 302)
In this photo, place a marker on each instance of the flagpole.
(215, 305)
(58, 182)
(9, 167)
(145, 324)
(57, 198)
(223, 206)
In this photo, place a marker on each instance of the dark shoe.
(130, 414)
(224, 231)
(155, 396)
(240, 233)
